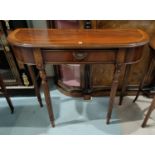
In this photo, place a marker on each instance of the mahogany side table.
(78, 46)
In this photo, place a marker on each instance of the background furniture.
(3, 87)
(5, 93)
(112, 46)
(11, 75)
(150, 68)
(15, 75)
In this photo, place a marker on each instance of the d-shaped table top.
(78, 38)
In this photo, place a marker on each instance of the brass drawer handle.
(80, 55)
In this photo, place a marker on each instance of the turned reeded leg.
(6, 95)
(151, 108)
(47, 95)
(41, 67)
(114, 87)
(34, 80)
(125, 83)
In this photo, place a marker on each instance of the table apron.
(75, 56)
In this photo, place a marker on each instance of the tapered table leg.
(4, 91)
(47, 96)
(118, 69)
(34, 80)
(151, 108)
(41, 67)
(87, 81)
(125, 82)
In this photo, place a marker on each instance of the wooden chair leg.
(34, 80)
(125, 82)
(151, 108)
(118, 69)
(145, 76)
(4, 91)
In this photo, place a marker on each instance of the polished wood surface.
(79, 38)
(116, 46)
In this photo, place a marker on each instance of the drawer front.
(78, 56)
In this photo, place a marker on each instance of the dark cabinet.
(15, 76)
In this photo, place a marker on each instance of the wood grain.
(79, 38)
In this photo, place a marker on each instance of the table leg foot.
(40, 100)
(121, 99)
(10, 104)
(108, 119)
(143, 125)
(137, 95)
(12, 110)
(53, 124)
